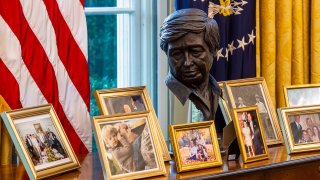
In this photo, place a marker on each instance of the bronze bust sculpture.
(191, 40)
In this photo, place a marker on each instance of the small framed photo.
(301, 128)
(254, 91)
(250, 134)
(126, 101)
(195, 146)
(224, 103)
(128, 146)
(302, 95)
(40, 140)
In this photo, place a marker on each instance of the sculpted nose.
(187, 61)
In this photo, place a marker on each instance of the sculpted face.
(190, 59)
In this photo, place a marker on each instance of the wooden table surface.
(279, 165)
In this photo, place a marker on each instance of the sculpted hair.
(186, 21)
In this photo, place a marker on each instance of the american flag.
(44, 59)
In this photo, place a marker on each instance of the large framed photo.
(40, 140)
(301, 128)
(126, 101)
(128, 146)
(250, 134)
(254, 91)
(195, 146)
(302, 95)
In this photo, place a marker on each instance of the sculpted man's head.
(190, 39)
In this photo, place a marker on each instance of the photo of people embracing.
(129, 146)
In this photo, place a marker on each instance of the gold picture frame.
(128, 146)
(40, 140)
(191, 152)
(254, 91)
(301, 128)
(120, 96)
(250, 136)
(224, 103)
(302, 95)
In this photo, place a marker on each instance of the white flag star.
(251, 37)
(231, 48)
(242, 43)
(227, 55)
(219, 54)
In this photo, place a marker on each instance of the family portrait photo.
(251, 133)
(195, 146)
(250, 95)
(129, 146)
(303, 96)
(305, 128)
(42, 142)
(125, 104)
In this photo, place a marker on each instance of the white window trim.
(163, 92)
(107, 10)
(134, 41)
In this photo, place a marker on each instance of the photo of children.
(305, 128)
(129, 146)
(125, 104)
(42, 141)
(251, 133)
(195, 146)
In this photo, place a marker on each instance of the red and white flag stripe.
(43, 51)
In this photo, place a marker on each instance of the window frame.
(136, 44)
(147, 65)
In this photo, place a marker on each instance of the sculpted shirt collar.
(183, 92)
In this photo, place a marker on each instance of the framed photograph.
(302, 95)
(250, 134)
(254, 91)
(126, 101)
(224, 103)
(301, 128)
(40, 140)
(128, 146)
(195, 146)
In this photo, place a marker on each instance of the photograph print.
(252, 92)
(125, 104)
(195, 146)
(127, 146)
(250, 134)
(42, 142)
(302, 95)
(305, 128)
